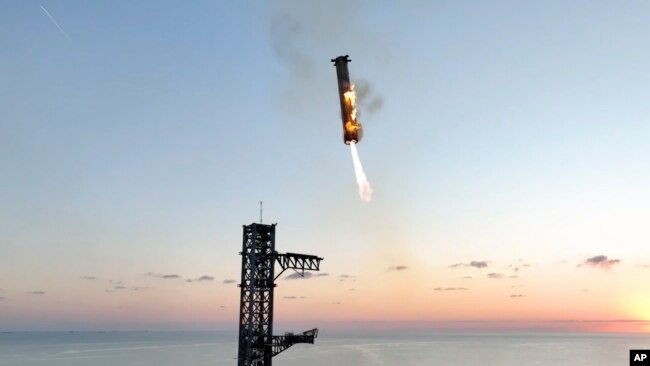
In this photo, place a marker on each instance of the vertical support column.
(256, 296)
(270, 278)
(244, 354)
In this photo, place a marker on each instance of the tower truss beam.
(298, 262)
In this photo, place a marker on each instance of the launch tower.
(257, 344)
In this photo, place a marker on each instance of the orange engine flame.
(350, 97)
(351, 127)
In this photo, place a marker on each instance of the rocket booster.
(352, 130)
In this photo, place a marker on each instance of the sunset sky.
(509, 158)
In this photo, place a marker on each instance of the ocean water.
(388, 348)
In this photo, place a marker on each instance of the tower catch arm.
(281, 343)
(298, 262)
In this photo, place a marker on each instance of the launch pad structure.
(257, 344)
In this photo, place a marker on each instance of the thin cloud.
(2, 298)
(602, 262)
(88, 278)
(227, 281)
(516, 295)
(201, 279)
(222, 307)
(162, 275)
(467, 277)
(517, 267)
(119, 287)
(304, 276)
(36, 292)
(138, 288)
(478, 264)
(54, 21)
(299, 276)
(494, 275)
(475, 264)
(450, 289)
(289, 297)
(336, 303)
(351, 289)
(397, 268)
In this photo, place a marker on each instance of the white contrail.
(54, 21)
(365, 191)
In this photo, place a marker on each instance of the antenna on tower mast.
(261, 211)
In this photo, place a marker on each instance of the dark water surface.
(394, 348)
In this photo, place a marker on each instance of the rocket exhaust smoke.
(365, 191)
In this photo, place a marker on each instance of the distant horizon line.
(504, 325)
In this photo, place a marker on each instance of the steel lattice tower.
(257, 344)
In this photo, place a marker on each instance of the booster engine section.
(352, 130)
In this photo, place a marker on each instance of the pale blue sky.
(143, 140)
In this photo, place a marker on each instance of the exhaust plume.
(365, 191)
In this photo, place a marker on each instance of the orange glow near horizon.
(376, 294)
(637, 305)
(408, 300)
(332, 302)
